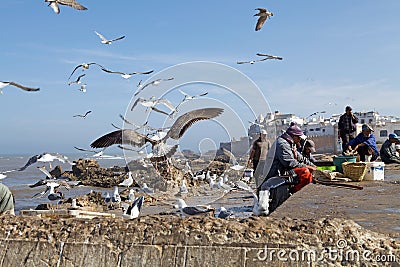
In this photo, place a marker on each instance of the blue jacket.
(369, 141)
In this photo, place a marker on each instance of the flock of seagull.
(132, 139)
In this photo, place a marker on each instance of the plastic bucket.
(338, 160)
(375, 171)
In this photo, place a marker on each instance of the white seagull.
(71, 3)
(261, 203)
(183, 189)
(2, 176)
(104, 40)
(147, 189)
(4, 84)
(84, 66)
(116, 197)
(232, 158)
(45, 157)
(224, 214)
(192, 210)
(155, 83)
(127, 75)
(128, 181)
(263, 15)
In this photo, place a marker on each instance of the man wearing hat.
(388, 150)
(347, 127)
(365, 144)
(308, 148)
(258, 154)
(283, 158)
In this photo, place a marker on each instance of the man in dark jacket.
(347, 127)
(6, 200)
(388, 150)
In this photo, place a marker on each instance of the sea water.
(19, 181)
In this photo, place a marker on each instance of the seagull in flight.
(78, 80)
(152, 102)
(52, 188)
(263, 15)
(191, 97)
(232, 158)
(155, 83)
(176, 131)
(126, 75)
(84, 115)
(4, 84)
(45, 157)
(72, 3)
(104, 40)
(84, 66)
(269, 56)
(83, 88)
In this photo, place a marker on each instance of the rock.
(57, 171)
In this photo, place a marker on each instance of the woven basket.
(354, 170)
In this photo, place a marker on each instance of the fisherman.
(6, 200)
(347, 127)
(388, 150)
(258, 155)
(284, 159)
(365, 144)
(308, 147)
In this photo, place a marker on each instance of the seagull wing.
(55, 7)
(166, 103)
(119, 38)
(243, 62)
(261, 10)
(134, 105)
(138, 72)
(72, 3)
(24, 87)
(77, 67)
(126, 136)
(230, 155)
(87, 112)
(186, 120)
(87, 150)
(46, 172)
(110, 71)
(260, 22)
(159, 111)
(31, 161)
(101, 36)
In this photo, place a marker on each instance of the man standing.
(347, 127)
(388, 150)
(365, 144)
(258, 154)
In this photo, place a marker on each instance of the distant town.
(323, 131)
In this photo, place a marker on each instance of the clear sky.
(336, 53)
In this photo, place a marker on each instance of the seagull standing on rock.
(192, 210)
(133, 210)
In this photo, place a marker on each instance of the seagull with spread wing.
(104, 40)
(178, 128)
(45, 157)
(84, 115)
(269, 56)
(71, 3)
(152, 102)
(84, 66)
(155, 83)
(232, 158)
(127, 75)
(263, 15)
(4, 84)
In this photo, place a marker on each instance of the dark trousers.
(346, 138)
(364, 151)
